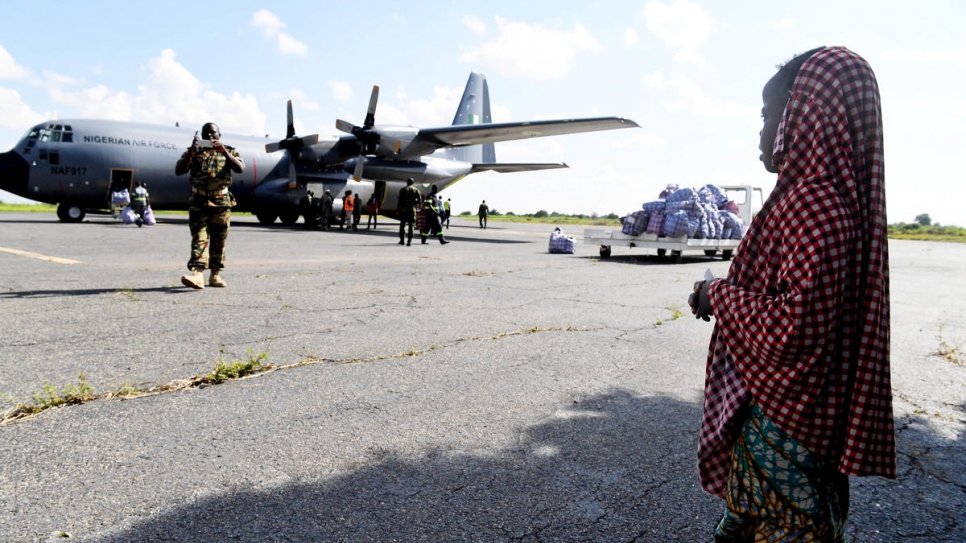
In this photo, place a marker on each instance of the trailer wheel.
(605, 251)
(710, 252)
(727, 254)
(661, 252)
(677, 257)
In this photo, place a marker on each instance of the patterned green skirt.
(779, 491)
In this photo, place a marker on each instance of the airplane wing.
(474, 134)
(508, 167)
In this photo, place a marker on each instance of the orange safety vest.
(348, 203)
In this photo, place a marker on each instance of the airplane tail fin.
(474, 109)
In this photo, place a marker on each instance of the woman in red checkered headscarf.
(797, 392)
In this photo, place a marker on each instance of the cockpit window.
(53, 133)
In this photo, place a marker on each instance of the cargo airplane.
(77, 163)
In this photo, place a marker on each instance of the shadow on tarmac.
(604, 471)
(613, 467)
(88, 292)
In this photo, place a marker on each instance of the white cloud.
(53, 79)
(300, 100)
(341, 90)
(272, 27)
(691, 99)
(630, 37)
(9, 69)
(268, 22)
(169, 94)
(438, 110)
(14, 113)
(475, 24)
(785, 23)
(290, 46)
(532, 51)
(681, 25)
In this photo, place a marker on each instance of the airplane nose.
(13, 173)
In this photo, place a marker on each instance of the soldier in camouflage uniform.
(407, 206)
(209, 209)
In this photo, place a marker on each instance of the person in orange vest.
(348, 204)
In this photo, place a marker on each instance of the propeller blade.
(309, 140)
(344, 126)
(357, 174)
(371, 113)
(292, 179)
(291, 122)
(272, 147)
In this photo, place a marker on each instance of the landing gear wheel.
(676, 257)
(726, 255)
(710, 252)
(605, 251)
(70, 213)
(289, 218)
(266, 217)
(661, 252)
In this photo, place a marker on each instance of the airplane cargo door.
(387, 198)
(120, 180)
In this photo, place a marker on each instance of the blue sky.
(689, 72)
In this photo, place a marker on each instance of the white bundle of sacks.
(704, 213)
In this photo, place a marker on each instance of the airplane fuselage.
(76, 163)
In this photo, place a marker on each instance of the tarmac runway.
(485, 390)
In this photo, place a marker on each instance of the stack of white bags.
(706, 213)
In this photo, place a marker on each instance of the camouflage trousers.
(209, 236)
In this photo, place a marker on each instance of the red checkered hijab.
(803, 319)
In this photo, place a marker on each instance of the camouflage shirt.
(408, 203)
(210, 172)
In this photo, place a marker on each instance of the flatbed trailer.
(676, 247)
(749, 200)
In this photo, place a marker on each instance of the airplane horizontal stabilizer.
(509, 167)
(473, 134)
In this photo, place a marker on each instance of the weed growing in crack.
(224, 371)
(949, 353)
(68, 394)
(676, 312)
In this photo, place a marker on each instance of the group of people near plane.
(427, 213)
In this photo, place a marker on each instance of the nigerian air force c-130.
(77, 163)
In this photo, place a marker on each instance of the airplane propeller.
(292, 144)
(369, 139)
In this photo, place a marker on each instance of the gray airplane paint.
(75, 162)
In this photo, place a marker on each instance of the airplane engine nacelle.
(396, 170)
(276, 191)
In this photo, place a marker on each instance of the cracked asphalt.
(481, 391)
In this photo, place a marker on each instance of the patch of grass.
(50, 397)
(129, 292)
(82, 392)
(31, 208)
(225, 371)
(676, 312)
(934, 232)
(950, 353)
(66, 395)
